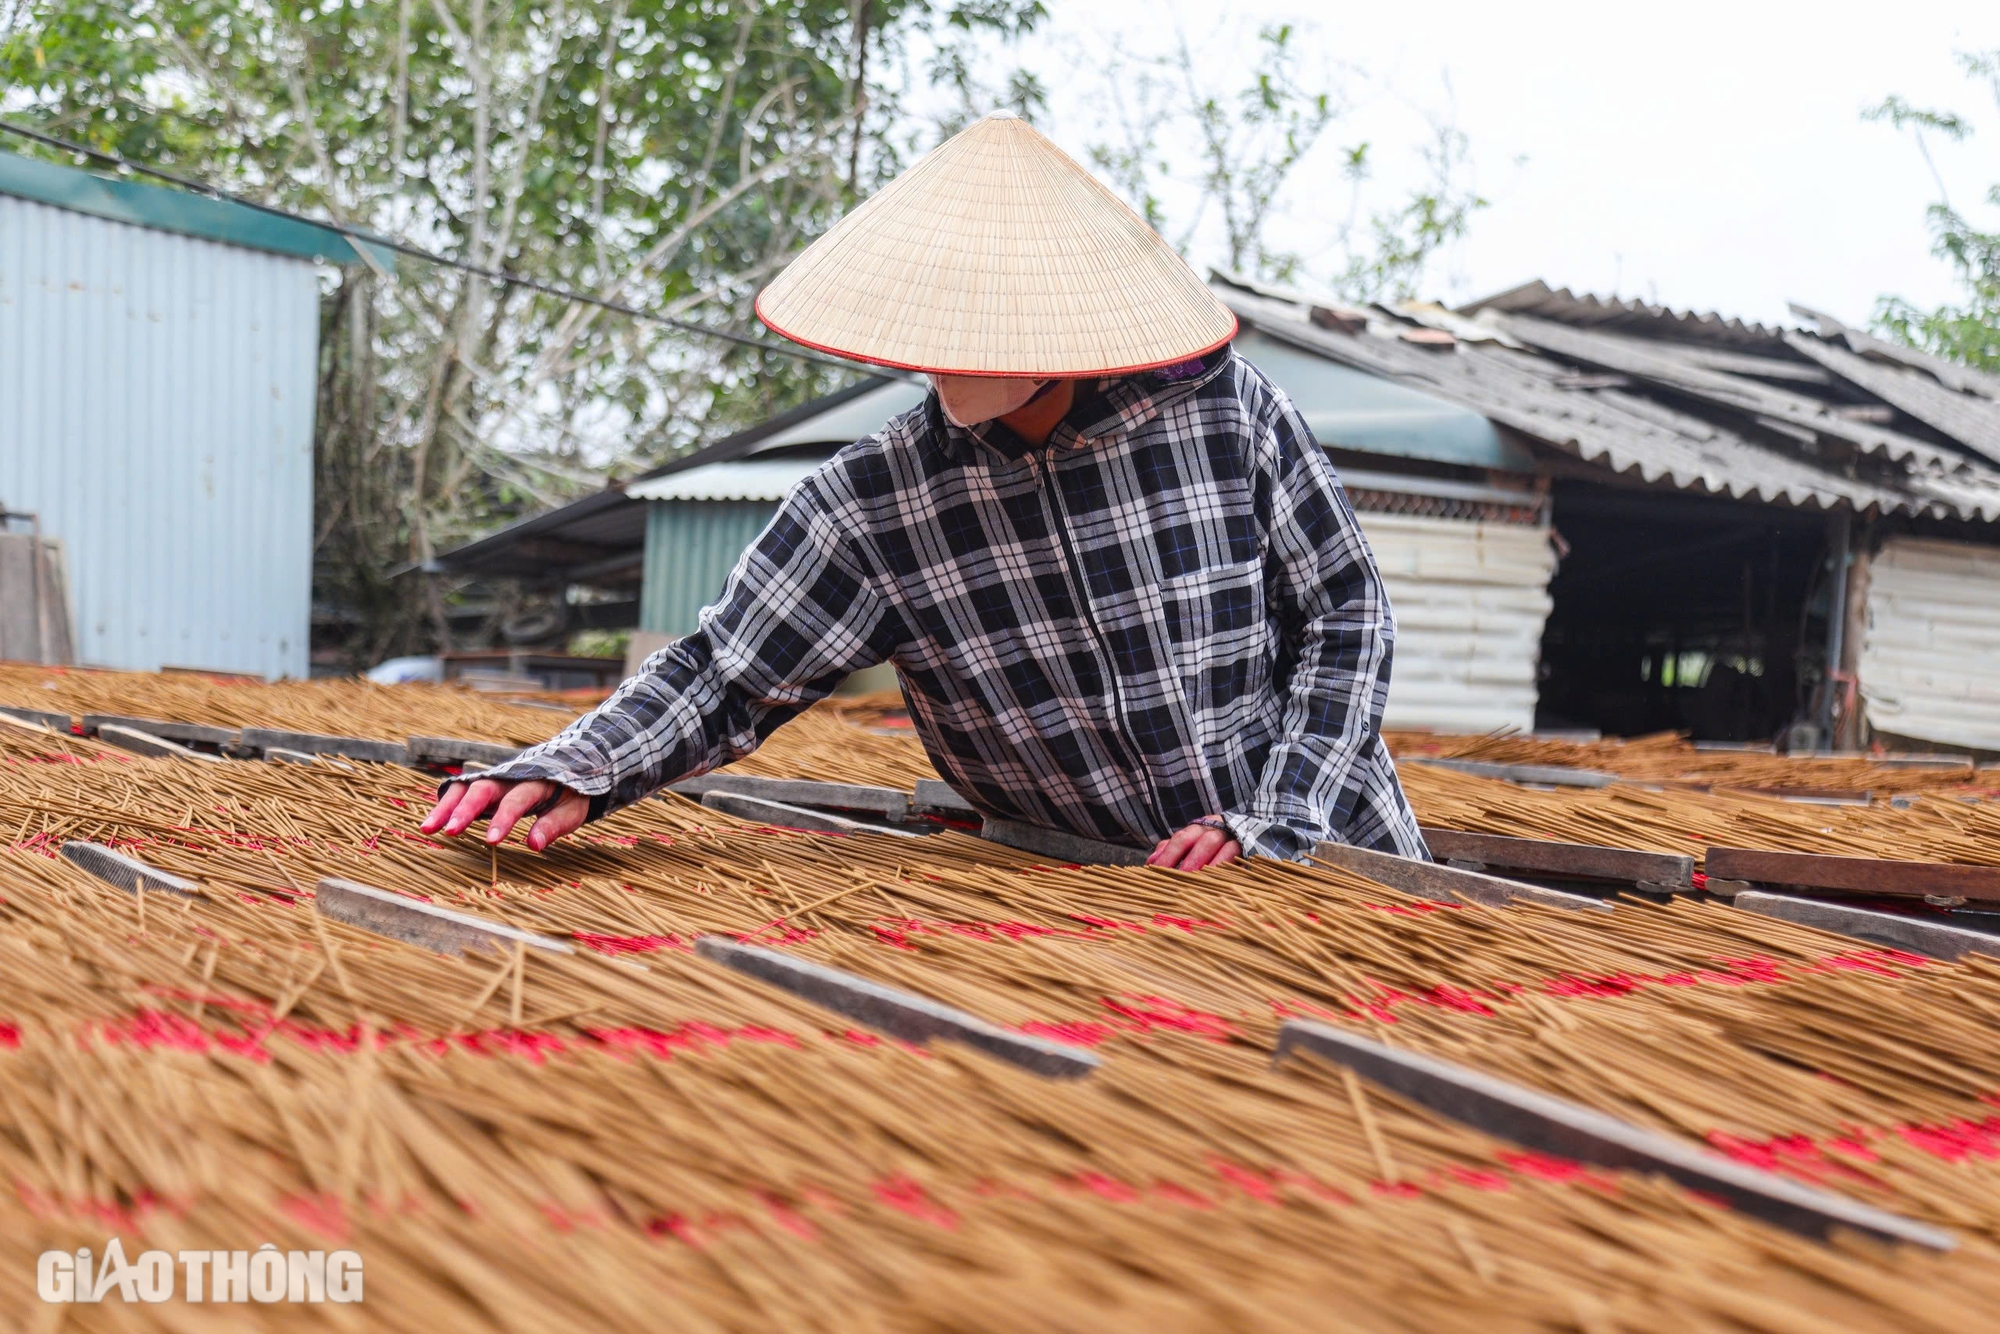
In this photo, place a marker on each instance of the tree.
(667, 154)
(1251, 142)
(1969, 330)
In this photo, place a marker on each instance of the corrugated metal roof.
(1951, 374)
(740, 479)
(1628, 432)
(1470, 600)
(1586, 311)
(1968, 418)
(850, 419)
(568, 543)
(1933, 634)
(1348, 409)
(178, 212)
(159, 394)
(1679, 368)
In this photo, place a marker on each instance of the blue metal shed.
(158, 369)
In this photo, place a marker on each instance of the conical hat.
(996, 254)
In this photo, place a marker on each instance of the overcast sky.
(1710, 156)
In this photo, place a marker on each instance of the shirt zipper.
(1045, 469)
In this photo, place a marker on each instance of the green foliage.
(600, 643)
(670, 154)
(1407, 237)
(1251, 142)
(1968, 330)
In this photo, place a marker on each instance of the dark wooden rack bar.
(1855, 875)
(1576, 861)
(900, 1014)
(1551, 1125)
(1447, 884)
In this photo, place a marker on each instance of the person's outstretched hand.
(560, 810)
(1194, 847)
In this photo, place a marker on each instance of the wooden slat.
(1551, 1125)
(127, 873)
(157, 747)
(279, 755)
(1584, 861)
(788, 816)
(55, 722)
(1547, 774)
(885, 801)
(932, 795)
(1920, 760)
(257, 740)
(451, 750)
(422, 924)
(200, 734)
(1059, 845)
(1932, 939)
(1826, 796)
(1855, 875)
(900, 1014)
(1447, 884)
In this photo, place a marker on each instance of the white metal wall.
(1928, 661)
(1470, 599)
(156, 407)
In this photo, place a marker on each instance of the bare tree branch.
(727, 100)
(402, 60)
(579, 317)
(611, 28)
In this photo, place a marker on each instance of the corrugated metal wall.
(156, 408)
(1470, 601)
(1927, 664)
(691, 546)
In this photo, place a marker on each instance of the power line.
(430, 256)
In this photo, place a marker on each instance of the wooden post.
(1839, 545)
(1851, 727)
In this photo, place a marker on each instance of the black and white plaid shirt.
(1166, 612)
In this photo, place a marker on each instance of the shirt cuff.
(521, 770)
(1268, 838)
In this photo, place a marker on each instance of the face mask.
(971, 399)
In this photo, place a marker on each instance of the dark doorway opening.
(1680, 613)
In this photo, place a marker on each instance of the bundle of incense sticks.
(759, 1187)
(1961, 824)
(843, 739)
(773, 1160)
(338, 707)
(825, 744)
(99, 792)
(537, 1140)
(1670, 757)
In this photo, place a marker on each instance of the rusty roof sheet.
(1672, 367)
(1586, 311)
(1951, 374)
(1628, 432)
(1968, 418)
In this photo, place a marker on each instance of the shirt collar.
(1109, 408)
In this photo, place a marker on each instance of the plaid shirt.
(1166, 612)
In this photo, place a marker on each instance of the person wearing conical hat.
(1119, 581)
